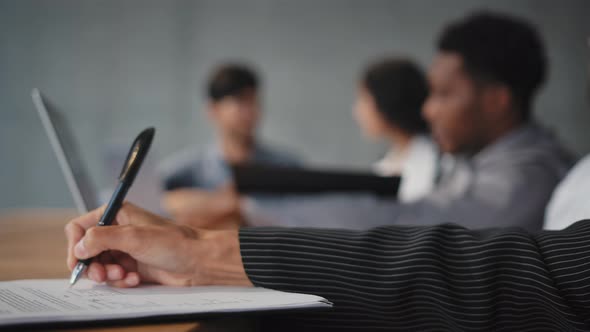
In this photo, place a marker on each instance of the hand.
(142, 247)
(204, 209)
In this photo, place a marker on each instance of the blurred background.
(114, 67)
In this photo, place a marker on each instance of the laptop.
(145, 191)
(65, 149)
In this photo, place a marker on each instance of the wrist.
(217, 259)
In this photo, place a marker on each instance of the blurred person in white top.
(570, 198)
(388, 107)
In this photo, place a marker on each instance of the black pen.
(135, 157)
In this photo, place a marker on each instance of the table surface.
(33, 246)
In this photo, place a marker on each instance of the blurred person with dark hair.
(234, 109)
(388, 106)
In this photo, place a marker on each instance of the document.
(53, 301)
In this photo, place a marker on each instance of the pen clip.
(137, 153)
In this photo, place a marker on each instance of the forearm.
(413, 278)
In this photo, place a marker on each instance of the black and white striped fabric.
(427, 278)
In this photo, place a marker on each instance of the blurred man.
(234, 111)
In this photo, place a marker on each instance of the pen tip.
(76, 273)
(73, 279)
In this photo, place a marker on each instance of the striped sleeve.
(427, 278)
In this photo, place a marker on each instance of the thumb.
(123, 238)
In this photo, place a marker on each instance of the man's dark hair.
(399, 89)
(501, 49)
(231, 80)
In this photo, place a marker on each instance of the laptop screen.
(64, 147)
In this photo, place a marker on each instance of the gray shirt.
(506, 184)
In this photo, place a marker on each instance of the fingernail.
(80, 250)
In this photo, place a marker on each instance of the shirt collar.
(506, 142)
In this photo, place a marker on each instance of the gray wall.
(117, 66)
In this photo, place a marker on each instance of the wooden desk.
(33, 246)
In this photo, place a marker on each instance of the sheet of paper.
(51, 300)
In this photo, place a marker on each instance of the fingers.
(103, 268)
(111, 247)
(96, 272)
(101, 239)
(113, 274)
(112, 266)
(131, 279)
(76, 228)
(128, 214)
(73, 234)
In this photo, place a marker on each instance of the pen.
(135, 157)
